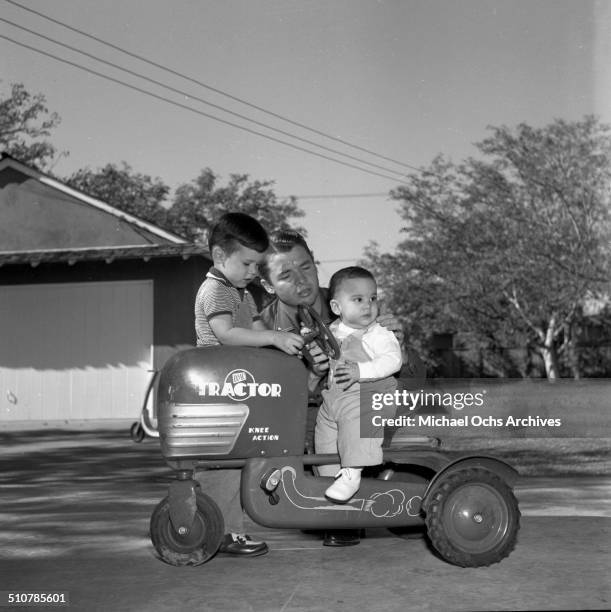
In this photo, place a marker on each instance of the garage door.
(74, 351)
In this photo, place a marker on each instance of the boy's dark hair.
(345, 274)
(282, 241)
(238, 228)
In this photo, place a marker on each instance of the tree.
(198, 205)
(25, 122)
(121, 187)
(507, 246)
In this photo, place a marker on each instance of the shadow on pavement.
(65, 492)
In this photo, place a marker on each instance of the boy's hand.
(321, 362)
(287, 342)
(346, 374)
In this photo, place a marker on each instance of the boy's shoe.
(242, 545)
(347, 483)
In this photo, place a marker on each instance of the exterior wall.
(174, 284)
(73, 351)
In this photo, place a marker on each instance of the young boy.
(369, 355)
(225, 312)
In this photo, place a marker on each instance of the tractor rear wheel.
(472, 518)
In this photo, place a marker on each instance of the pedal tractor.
(238, 407)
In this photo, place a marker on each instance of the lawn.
(542, 456)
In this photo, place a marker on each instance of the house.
(91, 301)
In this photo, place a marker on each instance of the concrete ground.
(74, 517)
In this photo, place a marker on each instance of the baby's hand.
(346, 374)
(289, 343)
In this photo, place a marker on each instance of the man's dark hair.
(346, 274)
(282, 241)
(237, 228)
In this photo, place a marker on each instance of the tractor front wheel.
(199, 544)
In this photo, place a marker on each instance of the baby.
(369, 355)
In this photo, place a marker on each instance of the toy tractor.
(238, 407)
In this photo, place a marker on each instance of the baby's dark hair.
(346, 274)
(238, 228)
(282, 241)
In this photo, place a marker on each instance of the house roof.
(107, 254)
(38, 212)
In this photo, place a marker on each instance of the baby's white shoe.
(347, 483)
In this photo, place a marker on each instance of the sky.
(405, 79)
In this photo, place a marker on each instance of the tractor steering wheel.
(314, 329)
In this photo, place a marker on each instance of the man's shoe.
(242, 545)
(342, 537)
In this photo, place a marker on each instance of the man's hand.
(389, 321)
(346, 374)
(321, 361)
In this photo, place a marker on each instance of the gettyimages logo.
(411, 400)
(239, 385)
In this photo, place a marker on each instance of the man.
(289, 273)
